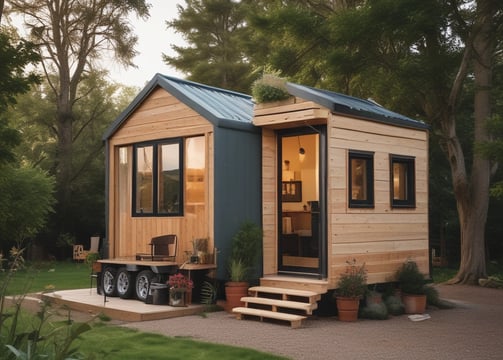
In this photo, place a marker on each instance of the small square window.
(361, 179)
(403, 182)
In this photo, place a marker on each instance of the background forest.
(440, 61)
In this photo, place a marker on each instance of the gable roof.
(355, 107)
(223, 108)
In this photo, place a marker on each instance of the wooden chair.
(162, 248)
(79, 254)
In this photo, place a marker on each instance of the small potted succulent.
(179, 286)
(351, 287)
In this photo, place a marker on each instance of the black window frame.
(410, 201)
(155, 174)
(369, 160)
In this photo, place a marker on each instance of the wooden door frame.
(321, 130)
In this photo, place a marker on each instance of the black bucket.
(160, 293)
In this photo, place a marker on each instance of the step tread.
(268, 314)
(308, 307)
(284, 291)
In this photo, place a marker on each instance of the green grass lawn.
(110, 342)
(36, 277)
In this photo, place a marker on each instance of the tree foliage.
(93, 114)
(216, 33)
(26, 201)
(71, 38)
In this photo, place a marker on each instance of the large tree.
(216, 34)
(99, 103)
(72, 37)
(420, 57)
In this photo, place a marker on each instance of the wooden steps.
(279, 304)
(275, 304)
(295, 320)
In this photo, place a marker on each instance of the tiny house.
(329, 177)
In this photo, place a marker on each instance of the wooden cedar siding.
(159, 116)
(381, 237)
(269, 202)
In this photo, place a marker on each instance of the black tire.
(143, 282)
(108, 281)
(125, 283)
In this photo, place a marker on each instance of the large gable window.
(158, 178)
(403, 189)
(361, 179)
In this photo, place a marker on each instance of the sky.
(154, 39)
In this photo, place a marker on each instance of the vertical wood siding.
(160, 116)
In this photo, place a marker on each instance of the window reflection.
(196, 167)
(144, 179)
(169, 178)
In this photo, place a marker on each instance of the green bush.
(375, 311)
(410, 278)
(269, 88)
(394, 305)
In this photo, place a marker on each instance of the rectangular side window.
(158, 178)
(403, 182)
(361, 179)
(144, 180)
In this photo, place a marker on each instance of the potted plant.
(179, 286)
(245, 249)
(351, 287)
(413, 287)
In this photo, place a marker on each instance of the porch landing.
(295, 282)
(116, 308)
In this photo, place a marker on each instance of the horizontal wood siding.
(159, 116)
(381, 237)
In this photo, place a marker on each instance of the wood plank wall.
(382, 237)
(160, 116)
(269, 202)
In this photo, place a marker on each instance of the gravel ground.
(472, 330)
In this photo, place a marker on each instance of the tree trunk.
(473, 199)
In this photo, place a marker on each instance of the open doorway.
(300, 239)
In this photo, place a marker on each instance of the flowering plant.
(179, 281)
(353, 282)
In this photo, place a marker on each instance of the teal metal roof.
(355, 107)
(223, 108)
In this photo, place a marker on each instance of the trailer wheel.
(108, 281)
(125, 283)
(143, 282)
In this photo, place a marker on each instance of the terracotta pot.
(234, 291)
(177, 296)
(414, 304)
(347, 308)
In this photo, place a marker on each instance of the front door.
(301, 202)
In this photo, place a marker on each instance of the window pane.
(169, 178)
(400, 181)
(359, 179)
(144, 180)
(196, 166)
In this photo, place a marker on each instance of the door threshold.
(297, 274)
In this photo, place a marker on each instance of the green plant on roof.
(269, 88)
